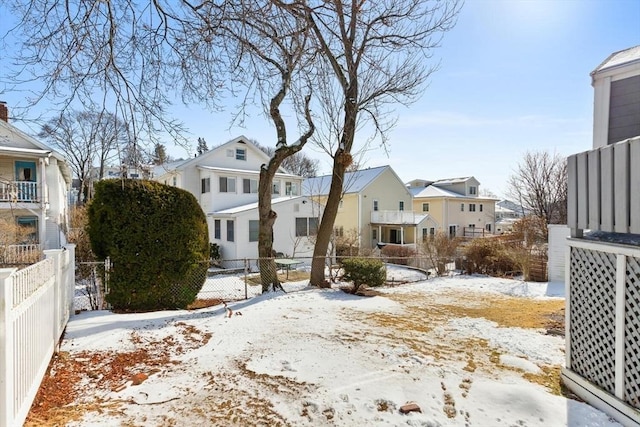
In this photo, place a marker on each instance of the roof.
(9, 146)
(354, 182)
(249, 171)
(181, 164)
(254, 205)
(448, 181)
(619, 58)
(432, 191)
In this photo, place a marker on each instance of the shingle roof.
(619, 58)
(354, 182)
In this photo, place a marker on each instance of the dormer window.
(473, 190)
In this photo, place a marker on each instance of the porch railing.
(21, 254)
(19, 191)
(604, 189)
(393, 217)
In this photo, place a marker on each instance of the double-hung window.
(249, 185)
(230, 230)
(227, 185)
(253, 230)
(205, 184)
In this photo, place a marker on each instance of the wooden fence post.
(6, 346)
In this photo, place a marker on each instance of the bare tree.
(539, 184)
(120, 55)
(298, 164)
(85, 137)
(373, 55)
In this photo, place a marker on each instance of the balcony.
(19, 191)
(604, 189)
(395, 217)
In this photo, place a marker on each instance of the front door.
(26, 181)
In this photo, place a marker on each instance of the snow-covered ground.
(316, 357)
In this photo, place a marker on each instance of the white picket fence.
(35, 305)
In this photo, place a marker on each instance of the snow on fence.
(35, 305)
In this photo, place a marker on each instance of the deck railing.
(393, 217)
(604, 189)
(19, 191)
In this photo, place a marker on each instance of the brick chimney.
(4, 111)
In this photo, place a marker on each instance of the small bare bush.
(440, 250)
(396, 254)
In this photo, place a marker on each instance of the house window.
(175, 181)
(230, 231)
(249, 185)
(29, 228)
(473, 190)
(290, 188)
(306, 227)
(227, 185)
(425, 207)
(216, 229)
(374, 234)
(301, 227)
(338, 231)
(472, 226)
(241, 154)
(375, 205)
(480, 207)
(425, 233)
(253, 230)
(488, 227)
(313, 226)
(462, 207)
(276, 188)
(401, 205)
(432, 231)
(205, 184)
(472, 207)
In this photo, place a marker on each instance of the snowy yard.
(467, 350)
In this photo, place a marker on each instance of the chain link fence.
(239, 279)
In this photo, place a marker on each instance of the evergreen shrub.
(364, 271)
(157, 238)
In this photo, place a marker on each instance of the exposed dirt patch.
(60, 397)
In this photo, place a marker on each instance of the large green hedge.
(157, 239)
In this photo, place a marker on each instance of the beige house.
(454, 206)
(34, 185)
(375, 208)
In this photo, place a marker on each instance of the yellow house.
(455, 206)
(376, 207)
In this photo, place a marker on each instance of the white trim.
(621, 269)
(597, 245)
(595, 396)
(567, 307)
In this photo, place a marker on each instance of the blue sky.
(513, 77)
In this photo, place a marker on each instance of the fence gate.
(92, 285)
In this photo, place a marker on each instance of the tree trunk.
(267, 218)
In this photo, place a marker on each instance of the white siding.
(557, 251)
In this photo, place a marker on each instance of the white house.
(34, 183)
(225, 182)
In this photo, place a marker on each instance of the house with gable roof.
(34, 185)
(376, 205)
(455, 206)
(224, 180)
